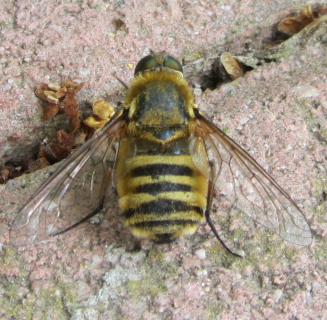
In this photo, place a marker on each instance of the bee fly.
(167, 160)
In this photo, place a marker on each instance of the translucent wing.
(73, 192)
(247, 187)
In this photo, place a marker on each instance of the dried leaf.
(62, 95)
(69, 104)
(102, 113)
(54, 86)
(103, 109)
(56, 152)
(233, 67)
(41, 153)
(95, 123)
(51, 96)
(37, 164)
(119, 24)
(74, 123)
(292, 25)
(39, 92)
(66, 139)
(50, 110)
(4, 175)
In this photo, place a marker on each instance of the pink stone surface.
(276, 112)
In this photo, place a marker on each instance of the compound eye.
(148, 62)
(158, 60)
(172, 63)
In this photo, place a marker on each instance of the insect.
(168, 162)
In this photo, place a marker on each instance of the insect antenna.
(121, 81)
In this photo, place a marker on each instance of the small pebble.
(201, 254)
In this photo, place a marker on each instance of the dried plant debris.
(55, 149)
(302, 31)
(34, 165)
(119, 24)
(224, 69)
(60, 148)
(12, 170)
(232, 66)
(59, 98)
(102, 113)
(308, 36)
(62, 98)
(8, 172)
(293, 25)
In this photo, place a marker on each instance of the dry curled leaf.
(56, 152)
(102, 113)
(74, 123)
(65, 139)
(233, 67)
(60, 148)
(39, 92)
(37, 164)
(119, 23)
(8, 172)
(59, 97)
(4, 175)
(293, 25)
(50, 110)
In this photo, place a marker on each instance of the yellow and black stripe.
(162, 197)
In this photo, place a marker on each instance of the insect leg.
(137, 245)
(90, 215)
(207, 214)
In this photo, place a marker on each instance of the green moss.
(264, 240)
(4, 24)
(155, 255)
(197, 55)
(156, 271)
(66, 291)
(320, 184)
(290, 253)
(320, 210)
(20, 312)
(45, 301)
(134, 287)
(324, 134)
(320, 252)
(226, 129)
(214, 309)
(9, 261)
(186, 52)
(220, 256)
(172, 269)
(235, 29)
(149, 285)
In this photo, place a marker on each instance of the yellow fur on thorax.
(162, 75)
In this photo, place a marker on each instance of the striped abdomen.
(162, 196)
